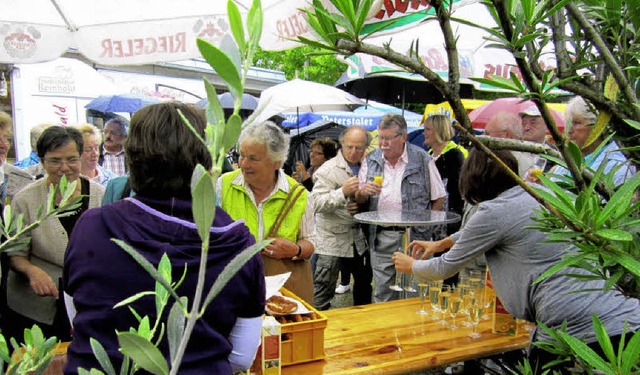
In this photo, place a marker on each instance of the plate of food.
(282, 305)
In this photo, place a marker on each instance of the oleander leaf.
(143, 353)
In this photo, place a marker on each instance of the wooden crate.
(303, 341)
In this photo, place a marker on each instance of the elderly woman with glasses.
(582, 116)
(91, 155)
(321, 150)
(33, 295)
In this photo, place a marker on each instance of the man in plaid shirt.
(112, 153)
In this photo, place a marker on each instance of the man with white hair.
(507, 125)
(411, 182)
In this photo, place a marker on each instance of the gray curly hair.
(269, 134)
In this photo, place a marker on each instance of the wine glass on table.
(443, 302)
(455, 305)
(423, 291)
(475, 311)
(465, 295)
(435, 287)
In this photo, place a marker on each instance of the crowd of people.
(71, 273)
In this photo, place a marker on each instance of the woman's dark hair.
(482, 179)
(329, 146)
(162, 151)
(57, 136)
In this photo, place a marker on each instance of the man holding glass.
(335, 184)
(410, 182)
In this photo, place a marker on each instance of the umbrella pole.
(404, 90)
(298, 119)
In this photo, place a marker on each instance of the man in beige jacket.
(335, 185)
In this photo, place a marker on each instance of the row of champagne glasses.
(454, 302)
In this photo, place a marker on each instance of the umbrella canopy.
(125, 32)
(392, 87)
(249, 102)
(477, 58)
(303, 96)
(366, 116)
(121, 103)
(481, 115)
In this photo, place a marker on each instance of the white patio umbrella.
(126, 32)
(302, 96)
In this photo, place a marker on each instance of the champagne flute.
(465, 296)
(423, 291)
(475, 313)
(434, 297)
(475, 279)
(487, 303)
(455, 302)
(443, 302)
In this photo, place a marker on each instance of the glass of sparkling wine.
(423, 291)
(443, 302)
(434, 297)
(465, 297)
(455, 304)
(475, 314)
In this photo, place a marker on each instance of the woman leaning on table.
(516, 257)
(273, 205)
(33, 295)
(162, 153)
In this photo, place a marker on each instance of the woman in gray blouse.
(517, 257)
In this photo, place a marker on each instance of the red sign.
(144, 46)
(62, 113)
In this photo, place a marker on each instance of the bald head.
(354, 142)
(504, 125)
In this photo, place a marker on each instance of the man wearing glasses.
(112, 151)
(397, 176)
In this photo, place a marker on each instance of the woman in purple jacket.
(161, 154)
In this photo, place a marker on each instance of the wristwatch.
(297, 256)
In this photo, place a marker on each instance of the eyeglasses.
(316, 153)
(389, 139)
(91, 149)
(57, 163)
(580, 123)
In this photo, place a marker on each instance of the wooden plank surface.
(392, 338)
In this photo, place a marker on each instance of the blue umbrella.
(249, 102)
(121, 103)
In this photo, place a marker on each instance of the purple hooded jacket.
(98, 274)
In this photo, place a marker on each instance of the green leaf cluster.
(31, 357)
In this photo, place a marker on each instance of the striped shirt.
(114, 162)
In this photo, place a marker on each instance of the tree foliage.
(324, 68)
